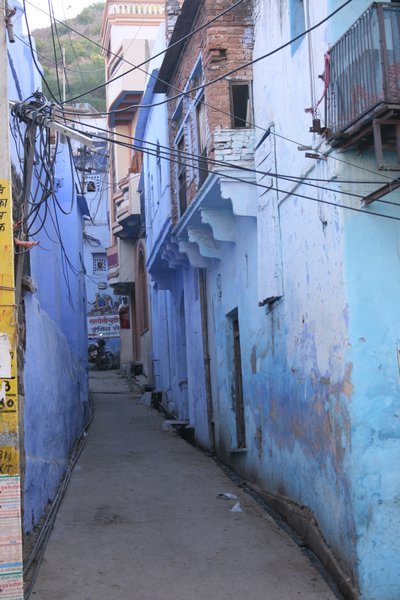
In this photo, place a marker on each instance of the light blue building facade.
(330, 355)
(178, 357)
(53, 347)
(287, 279)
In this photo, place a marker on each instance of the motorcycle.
(100, 356)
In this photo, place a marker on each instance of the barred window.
(99, 263)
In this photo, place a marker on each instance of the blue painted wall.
(55, 400)
(56, 348)
(329, 402)
(55, 407)
(373, 283)
(297, 380)
(57, 264)
(320, 366)
(175, 305)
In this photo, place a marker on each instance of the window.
(202, 142)
(297, 22)
(195, 82)
(241, 105)
(99, 263)
(91, 186)
(177, 117)
(196, 79)
(181, 175)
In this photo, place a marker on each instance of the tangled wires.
(36, 207)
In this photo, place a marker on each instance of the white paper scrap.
(5, 357)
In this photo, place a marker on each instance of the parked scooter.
(100, 356)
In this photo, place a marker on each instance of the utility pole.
(64, 74)
(11, 567)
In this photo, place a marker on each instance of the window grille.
(99, 263)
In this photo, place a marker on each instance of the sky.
(62, 9)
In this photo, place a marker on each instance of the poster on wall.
(103, 304)
(105, 325)
(103, 318)
(107, 314)
(123, 312)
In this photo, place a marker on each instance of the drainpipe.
(206, 356)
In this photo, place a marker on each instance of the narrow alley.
(143, 519)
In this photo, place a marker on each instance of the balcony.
(128, 221)
(131, 13)
(127, 90)
(121, 274)
(363, 95)
(113, 265)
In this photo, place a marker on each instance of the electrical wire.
(44, 203)
(183, 93)
(172, 159)
(249, 123)
(197, 157)
(34, 58)
(178, 42)
(286, 192)
(54, 48)
(57, 64)
(71, 44)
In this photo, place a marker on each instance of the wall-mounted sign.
(106, 325)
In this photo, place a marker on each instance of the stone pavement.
(142, 520)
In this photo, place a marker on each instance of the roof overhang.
(127, 103)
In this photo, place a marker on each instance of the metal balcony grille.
(364, 71)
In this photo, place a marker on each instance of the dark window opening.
(202, 142)
(241, 108)
(177, 117)
(195, 83)
(182, 176)
(196, 79)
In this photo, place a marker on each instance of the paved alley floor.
(142, 520)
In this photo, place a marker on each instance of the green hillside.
(84, 60)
